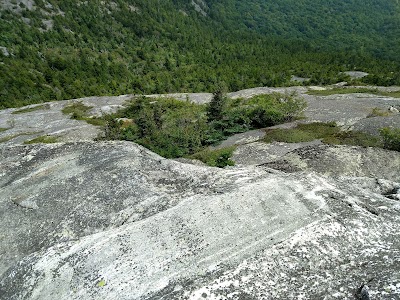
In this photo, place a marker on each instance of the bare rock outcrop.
(335, 161)
(113, 220)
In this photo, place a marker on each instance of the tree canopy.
(68, 49)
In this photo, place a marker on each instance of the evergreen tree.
(216, 107)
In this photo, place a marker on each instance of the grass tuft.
(353, 138)
(288, 136)
(302, 133)
(378, 112)
(329, 133)
(10, 137)
(45, 139)
(79, 111)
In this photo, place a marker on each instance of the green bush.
(216, 158)
(174, 128)
(272, 109)
(391, 138)
(240, 115)
(166, 126)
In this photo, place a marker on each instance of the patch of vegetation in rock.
(391, 138)
(44, 139)
(329, 133)
(302, 133)
(77, 110)
(10, 137)
(174, 128)
(378, 112)
(80, 111)
(353, 138)
(3, 129)
(32, 108)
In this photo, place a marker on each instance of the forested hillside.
(67, 49)
(368, 25)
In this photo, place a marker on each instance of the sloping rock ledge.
(114, 221)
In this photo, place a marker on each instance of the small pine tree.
(215, 109)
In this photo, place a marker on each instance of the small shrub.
(272, 109)
(391, 138)
(216, 158)
(111, 130)
(378, 112)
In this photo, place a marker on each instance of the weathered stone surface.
(346, 109)
(342, 161)
(61, 192)
(259, 152)
(113, 220)
(241, 139)
(356, 74)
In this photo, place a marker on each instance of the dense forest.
(53, 49)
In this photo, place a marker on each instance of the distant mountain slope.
(68, 49)
(339, 23)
